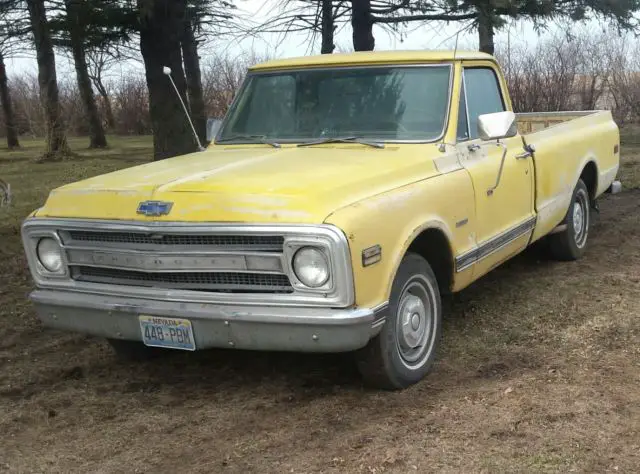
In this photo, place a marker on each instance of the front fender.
(394, 219)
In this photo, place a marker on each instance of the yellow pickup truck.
(341, 197)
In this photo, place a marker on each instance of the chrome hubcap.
(412, 313)
(581, 218)
(415, 324)
(577, 218)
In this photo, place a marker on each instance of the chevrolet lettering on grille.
(154, 208)
(157, 262)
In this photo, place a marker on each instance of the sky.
(436, 35)
(424, 36)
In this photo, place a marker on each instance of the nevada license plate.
(171, 333)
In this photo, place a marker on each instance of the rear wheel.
(404, 350)
(571, 243)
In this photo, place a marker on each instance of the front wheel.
(404, 350)
(571, 242)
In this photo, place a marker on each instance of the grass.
(539, 371)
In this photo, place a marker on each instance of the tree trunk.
(327, 27)
(7, 109)
(485, 30)
(161, 29)
(362, 25)
(194, 80)
(108, 109)
(56, 140)
(97, 138)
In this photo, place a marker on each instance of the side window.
(483, 95)
(463, 125)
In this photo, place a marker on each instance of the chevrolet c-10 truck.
(341, 197)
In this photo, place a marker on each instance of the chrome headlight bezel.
(340, 278)
(31, 240)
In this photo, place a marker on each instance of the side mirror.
(496, 126)
(213, 125)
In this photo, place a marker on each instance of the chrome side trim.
(340, 293)
(494, 244)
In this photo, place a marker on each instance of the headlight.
(49, 254)
(311, 267)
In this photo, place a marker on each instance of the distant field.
(539, 371)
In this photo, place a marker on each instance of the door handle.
(528, 151)
(473, 147)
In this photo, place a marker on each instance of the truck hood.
(247, 183)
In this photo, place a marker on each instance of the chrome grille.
(234, 282)
(271, 243)
(208, 262)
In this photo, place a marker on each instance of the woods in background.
(96, 34)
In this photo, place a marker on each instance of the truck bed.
(566, 144)
(530, 122)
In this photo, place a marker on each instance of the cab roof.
(370, 57)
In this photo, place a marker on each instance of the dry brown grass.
(539, 372)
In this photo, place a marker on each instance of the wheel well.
(433, 246)
(590, 177)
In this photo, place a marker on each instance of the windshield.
(382, 103)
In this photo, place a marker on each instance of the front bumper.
(214, 325)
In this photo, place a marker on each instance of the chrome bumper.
(214, 325)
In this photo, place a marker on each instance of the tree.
(77, 20)
(317, 17)
(195, 14)
(362, 24)
(56, 139)
(327, 27)
(7, 108)
(99, 61)
(487, 16)
(9, 45)
(161, 32)
(81, 27)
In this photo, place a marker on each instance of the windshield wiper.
(352, 139)
(255, 138)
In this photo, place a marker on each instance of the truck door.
(504, 214)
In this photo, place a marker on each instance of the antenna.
(167, 72)
(455, 50)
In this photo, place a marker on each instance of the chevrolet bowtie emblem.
(154, 208)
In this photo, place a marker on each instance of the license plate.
(171, 333)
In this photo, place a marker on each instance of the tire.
(134, 351)
(571, 243)
(396, 359)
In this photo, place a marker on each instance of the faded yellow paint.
(370, 57)
(393, 219)
(563, 149)
(383, 197)
(248, 183)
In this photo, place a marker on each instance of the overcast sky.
(429, 36)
